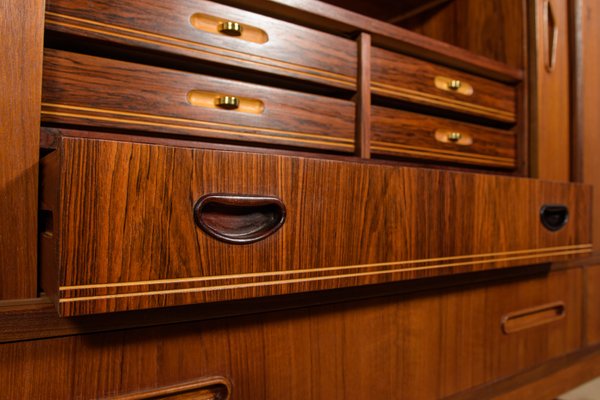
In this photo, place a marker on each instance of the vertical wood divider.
(21, 31)
(363, 97)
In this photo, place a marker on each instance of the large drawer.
(426, 346)
(93, 91)
(412, 80)
(137, 226)
(212, 32)
(406, 134)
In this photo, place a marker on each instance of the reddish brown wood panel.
(288, 49)
(331, 18)
(363, 98)
(407, 134)
(127, 237)
(550, 151)
(426, 346)
(586, 154)
(491, 28)
(21, 30)
(410, 79)
(592, 313)
(127, 95)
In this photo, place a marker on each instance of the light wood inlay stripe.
(236, 56)
(485, 257)
(396, 91)
(179, 123)
(303, 280)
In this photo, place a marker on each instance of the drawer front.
(409, 79)
(85, 90)
(425, 347)
(134, 229)
(192, 28)
(592, 279)
(406, 134)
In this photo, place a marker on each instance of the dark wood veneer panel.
(21, 41)
(127, 237)
(290, 49)
(411, 135)
(87, 90)
(402, 77)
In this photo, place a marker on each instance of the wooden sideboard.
(285, 199)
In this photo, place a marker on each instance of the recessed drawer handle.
(239, 219)
(453, 85)
(200, 98)
(554, 216)
(452, 136)
(226, 27)
(230, 28)
(532, 317)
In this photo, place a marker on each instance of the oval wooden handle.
(239, 219)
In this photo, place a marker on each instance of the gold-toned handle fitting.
(454, 84)
(227, 102)
(230, 28)
(454, 136)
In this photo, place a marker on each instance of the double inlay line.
(285, 277)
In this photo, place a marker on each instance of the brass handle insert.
(453, 85)
(230, 28)
(453, 136)
(227, 102)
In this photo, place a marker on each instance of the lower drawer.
(411, 135)
(426, 346)
(132, 226)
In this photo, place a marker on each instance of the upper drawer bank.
(137, 226)
(412, 80)
(212, 32)
(86, 90)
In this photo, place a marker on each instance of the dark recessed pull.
(239, 219)
(554, 217)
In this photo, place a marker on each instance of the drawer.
(409, 79)
(592, 279)
(132, 225)
(92, 91)
(406, 134)
(212, 32)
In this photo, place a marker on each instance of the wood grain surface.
(410, 79)
(327, 17)
(290, 50)
(592, 311)
(411, 135)
(425, 346)
(21, 33)
(493, 28)
(550, 114)
(585, 153)
(127, 238)
(95, 91)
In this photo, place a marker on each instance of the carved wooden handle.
(239, 219)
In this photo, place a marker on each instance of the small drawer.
(412, 80)
(130, 226)
(92, 91)
(212, 32)
(406, 134)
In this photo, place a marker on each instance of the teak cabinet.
(276, 199)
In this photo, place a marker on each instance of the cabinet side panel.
(21, 30)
